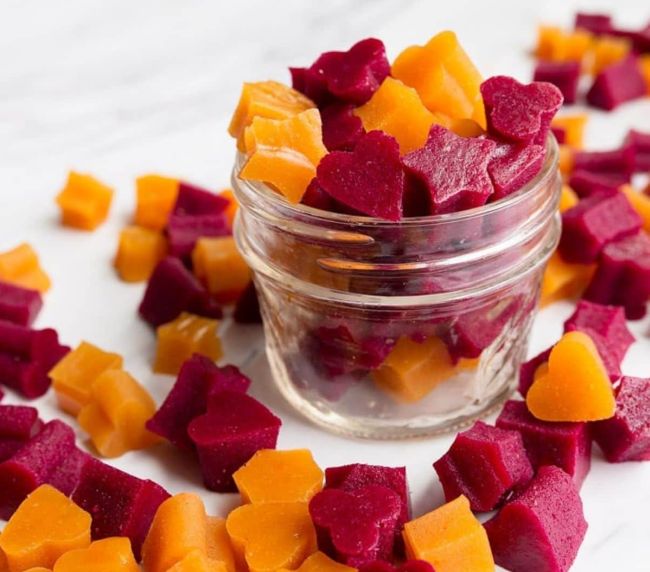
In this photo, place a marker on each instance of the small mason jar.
(397, 329)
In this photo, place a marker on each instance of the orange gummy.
(563, 280)
(37, 569)
(319, 562)
(553, 44)
(269, 536)
(640, 203)
(269, 99)
(106, 555)
(279, 476)
(196, 561)
(466, 128)
(412, 370)
(219, 546)
(576, 386)
(73, 377)
(568, 198)
(284, 153)
(84, 201)
(116, 414)
(574, 128)
(450, 538)
(46, 525)
(155, 199)
(219, 265)
(186, 335)
(397, 109)
(20, 266)
(565, 160)
(444, 76)
(644, 64)
(609, 50)
(139, 250)
(233, 206)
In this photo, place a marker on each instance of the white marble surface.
(121, 88)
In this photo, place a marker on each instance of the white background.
(122, 88)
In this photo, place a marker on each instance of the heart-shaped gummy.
(356, 527)
(520, 112)
(369, 179)
(108, 555)
(576, 386)
(408, 566)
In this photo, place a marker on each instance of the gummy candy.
(595, 23)
(317, 198)
(398, 111)
(186, 335)
(355, 527)
(595, 222)
(198, 378)
(512, 166)
(26, 356)
(219, 548)
(617, 162)
(623, 275)
(408, 566)
(18, 424)
(349, 77)
(640, 203)
(233, 206)
(247, 307)
(183, 231)
(20, 266)
(444, 76)
(120, 504)
(568, 198)
(520, 112)
(341, 127)
(232, 430)
(617, 84)
(626, 436)
(542, 528)
(485, 464)
(73, 376)
(573, 127)
(563, 75)
(19, 305)
(45, 526)
(450, 538)
(587, 184)
(218, 264)
(84, 201)
(368, 179)
(155, 198)
(454, 170)
(173, 289)
(576, 386)
(196, 201)
(640, 144)
(527, 371)
(319, 562)
(607, 52)
(563, 280)
(139, 250)
(565, 445)
(108, 555)
(279, 476)
(196, 561)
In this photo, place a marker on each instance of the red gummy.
(26, 357)
(193, 200)
(565, 445)
(559, 133)
(563, 75)
(513, 165)
(540, 529)
(453, 169)
(520, 112)
(408, 566)
(19, 305)
(485, 464)
(351, 76)
(18, 424)
(640, 144)
(184, 230)
(198, 379)
(247, 307)
(369, 179)
(593, 223)
(597, 24)
(232, 430)
(626, 436)
(617, 84)
(173, 289)
(616, 162)
(50, 457)
(317, 198)
(120, 504)
(356, 527)
(342, 129)
(587, 184)
(623, 275)
(527, 371)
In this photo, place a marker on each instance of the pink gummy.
(342, 129)
(520, 112)
(19, 305)
(173, 289)
(247, 307)
(193, 200)
(184, 230)
(514, 165)
(369, 179)
(408, 566)
(623, 275)
(565, 445)
(356, 527)
(18, 424)
(559, 133)
(595, 222)
(234, 428)
(615, 162)
(120, 504)
(527, 371)
(563, 75)
(453, 169)
(587, 184)
(50, 457)
(351, 76)
(626, 436)
(540, 529)
(640, 144)
(485, 464)
(317, 198)
(198, 379)
(595, 23)
(617, 84)
(26, 356)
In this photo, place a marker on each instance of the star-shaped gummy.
(520, 112)
(453, 169)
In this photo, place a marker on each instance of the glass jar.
(388, 330)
